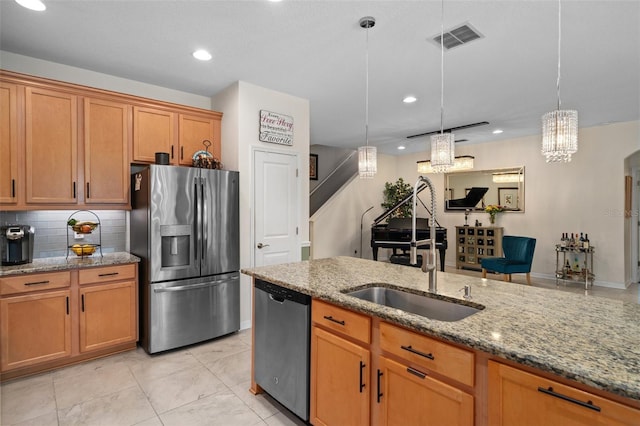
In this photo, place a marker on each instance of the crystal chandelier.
(367, 161)
(559, 127)
(442, 144)
(462, 162)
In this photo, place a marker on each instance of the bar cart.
(576, 270)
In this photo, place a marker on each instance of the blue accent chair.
(518, 256)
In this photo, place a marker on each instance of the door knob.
(260, 245)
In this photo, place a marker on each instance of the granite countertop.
(51, 264)
(592, 340)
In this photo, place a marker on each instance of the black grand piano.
(396, 234)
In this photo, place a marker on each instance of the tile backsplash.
(51, 230)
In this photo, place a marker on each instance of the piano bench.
(403, 259)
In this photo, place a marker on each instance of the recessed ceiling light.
(202, 55)
(497, 131)
(401, 147)
(409, 99)
(32, 4)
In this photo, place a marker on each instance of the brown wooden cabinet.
(409, 396)
(193, 130)
(35, 315)
(520, 398)
(153, 131)
(106, 152)
(8, 143)
(52, 319)
(51, 146)
(108, 307)
(474, 243)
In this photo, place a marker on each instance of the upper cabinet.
(8, 143)
(51, 146)
(194, 130)
(153, 131)
(106, 152)
(64, 146)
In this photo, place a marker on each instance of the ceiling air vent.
(457, 36)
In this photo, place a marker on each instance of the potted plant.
(395, 192)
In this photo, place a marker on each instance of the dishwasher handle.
(277, 299)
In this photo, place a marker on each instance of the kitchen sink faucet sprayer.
(428, 261)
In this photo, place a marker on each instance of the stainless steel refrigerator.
(185, 228)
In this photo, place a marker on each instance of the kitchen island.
(591, 342)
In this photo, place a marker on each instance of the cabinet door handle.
(82, 299)
(88, 196)
(67, 305)
(13, 188)
(182, 152)
(172, 151)
(589, 404)
(37, 282)
(416, 372)
(417, 352)
(379, 394)
(110, 274)
(74, 190)
(330, 318)
(362, 366)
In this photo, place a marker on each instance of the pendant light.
(367, 162)
(559, 127)
(442, 144)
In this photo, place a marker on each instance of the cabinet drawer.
(445, 359)
(107, 273)
(34, 282)
(341, 320)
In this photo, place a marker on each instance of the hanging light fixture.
(442, 144)
(462, 162)
(367, 162)
(559, 127)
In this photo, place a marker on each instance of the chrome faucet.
(429, 261)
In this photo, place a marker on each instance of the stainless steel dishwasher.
(282, 338)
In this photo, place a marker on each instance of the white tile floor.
(204, 384)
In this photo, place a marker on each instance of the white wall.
(37, 67)
(241, 104)
(336, 225)
(585, 195)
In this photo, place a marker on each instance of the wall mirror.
(476, 189)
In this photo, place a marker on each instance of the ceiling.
(316, 50)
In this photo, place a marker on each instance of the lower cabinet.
(408, 396)
(520, 398)
(35, 328)
(340, 381)
(107, 315)
(48, 320)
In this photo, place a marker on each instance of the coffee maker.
(17, 244)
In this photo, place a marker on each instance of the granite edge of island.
(419, 324)
(61, 263)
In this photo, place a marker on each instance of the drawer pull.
(549, 391)
(110, 274)
(416, 372)
(37, 282)
(379, 394)
(417, 352)
(330, 318)
(362, 366)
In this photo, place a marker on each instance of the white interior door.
(276, 206)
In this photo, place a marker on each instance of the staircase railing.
(344, 172)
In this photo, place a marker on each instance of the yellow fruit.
(76, 246)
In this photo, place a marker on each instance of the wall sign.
(276, 128)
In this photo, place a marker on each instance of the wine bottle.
(585, 243)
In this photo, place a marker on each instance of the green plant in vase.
(493, 210)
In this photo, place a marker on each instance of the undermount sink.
(423, 305)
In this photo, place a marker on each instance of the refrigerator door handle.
(197, 243)
(185, 287)
(205, 222)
